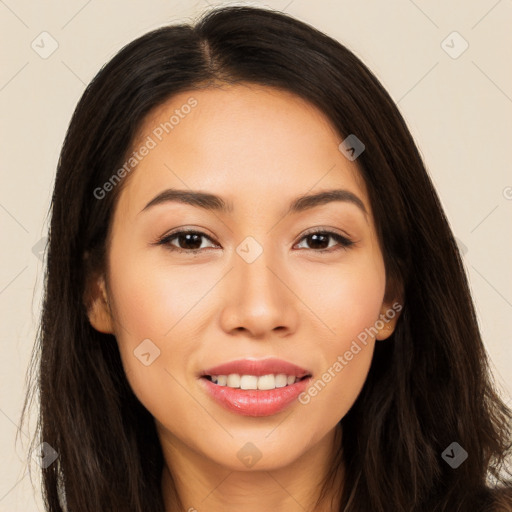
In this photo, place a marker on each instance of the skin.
(259, 148)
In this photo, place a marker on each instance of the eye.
(187, 241)
(320, 238)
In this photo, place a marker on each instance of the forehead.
(253, 145)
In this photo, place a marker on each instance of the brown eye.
(319, 241)
(187, 241)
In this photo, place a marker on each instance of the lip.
(257, 367)
(252, 402)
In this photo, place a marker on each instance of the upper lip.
(257, 367)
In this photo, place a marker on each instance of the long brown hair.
(429, 384)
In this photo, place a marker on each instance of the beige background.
(458, 109)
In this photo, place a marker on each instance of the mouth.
(255, 387)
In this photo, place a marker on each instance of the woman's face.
(255, 283)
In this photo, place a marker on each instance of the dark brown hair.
(429, 384)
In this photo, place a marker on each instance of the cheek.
(349, 299)
(171, 307)
(154, 298)
(148, 308)
(349, 303)
(145, 303)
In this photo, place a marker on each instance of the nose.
(261, 303)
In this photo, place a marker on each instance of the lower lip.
(252, 402)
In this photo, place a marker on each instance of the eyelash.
(344, 242)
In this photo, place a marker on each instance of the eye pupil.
(188, 237)
(315, 237)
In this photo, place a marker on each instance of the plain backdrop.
(446, 65)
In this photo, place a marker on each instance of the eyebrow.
(216, 203)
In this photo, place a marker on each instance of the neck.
(191, 483)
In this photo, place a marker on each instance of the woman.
(320, 352)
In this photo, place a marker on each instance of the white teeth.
(248, 382)
(265, 382)
(281, 380)
(233, 380)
